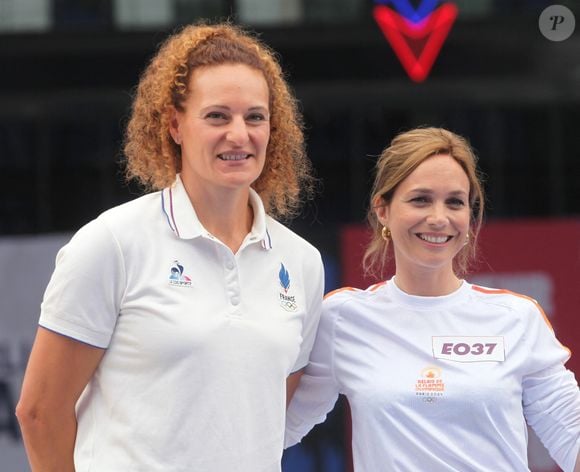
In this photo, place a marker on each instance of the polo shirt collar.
(183, 220)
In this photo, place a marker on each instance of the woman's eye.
(420, 200)
(256, 117)
(215, 115)
(456, 202)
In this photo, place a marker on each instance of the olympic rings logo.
(288, 305)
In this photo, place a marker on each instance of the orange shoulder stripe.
(491, 290)
(374, 287)
(509, 292)
(338, 290)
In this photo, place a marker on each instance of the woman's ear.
(381, 210)
(174, 125)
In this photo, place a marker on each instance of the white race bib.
(469, 348)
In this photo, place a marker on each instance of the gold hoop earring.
(386, 233)
(466, 240)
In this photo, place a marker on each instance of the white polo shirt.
(444, 384)
(199, 340)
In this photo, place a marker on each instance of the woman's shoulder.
(114, 222)
(281, 234)
(137, 209)
(508, 300)
(501, 295)
(349, 308)
(352, 294)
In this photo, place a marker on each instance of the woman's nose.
(237, 132)
(437, 216)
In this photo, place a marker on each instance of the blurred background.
(69, 68)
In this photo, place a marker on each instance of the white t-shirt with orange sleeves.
(440, 383)
(199, 341)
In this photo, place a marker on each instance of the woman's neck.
(427, 283)
(227, 215)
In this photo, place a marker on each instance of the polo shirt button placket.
(232, 282)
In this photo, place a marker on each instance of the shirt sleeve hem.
(93, 341)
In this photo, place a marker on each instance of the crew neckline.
(427, 303)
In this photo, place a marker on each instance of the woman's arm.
(58, 370)
(550, 394)
(317, 390)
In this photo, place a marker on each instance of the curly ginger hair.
(154, 159)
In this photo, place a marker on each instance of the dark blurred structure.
(65, 93)
(69, 68)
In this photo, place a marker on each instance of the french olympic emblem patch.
(288, 302)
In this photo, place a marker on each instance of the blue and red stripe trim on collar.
(170, 217)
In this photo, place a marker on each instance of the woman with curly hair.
(440, 374)
(175, 326)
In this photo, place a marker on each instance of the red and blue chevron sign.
(415, 34)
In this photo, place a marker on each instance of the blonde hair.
(153, 158)
(405, 153)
